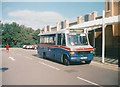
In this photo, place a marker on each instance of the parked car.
(29, 47)
(24, 46)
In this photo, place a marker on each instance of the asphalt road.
(24, 67)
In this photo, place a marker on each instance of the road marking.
(12, 58)
(49, 65)
(89, 82)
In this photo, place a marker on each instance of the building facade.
(112, 31)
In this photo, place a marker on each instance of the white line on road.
(12, 58)
(49, 65)
(89, 82)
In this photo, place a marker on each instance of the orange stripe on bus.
(66, 48)
(84, 49)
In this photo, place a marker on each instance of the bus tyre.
(44, 55)
(66, 61)
(88, 62)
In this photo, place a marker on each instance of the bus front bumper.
(81, 58)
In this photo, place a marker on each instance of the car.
(30, 47)
(24, 46)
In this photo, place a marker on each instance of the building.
(112, 8)
(112, 31)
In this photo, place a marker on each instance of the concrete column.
(45, 29)
(93, 15)
(94, 39)
(48, 28)
(103, 38)
(58, 26)
(66, 23)
(1, 58)
(79, 19)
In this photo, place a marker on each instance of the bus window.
(50, 39)
(59, 39)
(63, 40)
(42, 38)
(77, 39)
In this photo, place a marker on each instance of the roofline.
(60, 31)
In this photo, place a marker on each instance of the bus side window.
(63, 40)
(38, 39)
(59, 39)
(42, 39)
(54, 40)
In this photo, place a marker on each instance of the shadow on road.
(3, 69)
(37, 56)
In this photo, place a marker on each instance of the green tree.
(18, 35)
(35, 35)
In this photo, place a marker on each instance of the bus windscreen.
(77, 39)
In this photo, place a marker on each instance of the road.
(24, 67)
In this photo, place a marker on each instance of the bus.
(66, 46)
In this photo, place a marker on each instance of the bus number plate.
(83, 57)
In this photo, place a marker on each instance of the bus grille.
(83, 52)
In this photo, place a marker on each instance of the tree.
(35, 35)
(18, 35)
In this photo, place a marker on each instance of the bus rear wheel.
(44, 55)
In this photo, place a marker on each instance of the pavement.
(111, 61)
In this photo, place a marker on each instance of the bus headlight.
(72, 52)
(91, 52)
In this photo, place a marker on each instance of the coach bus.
(65, 46)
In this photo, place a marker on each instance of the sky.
(38, 14)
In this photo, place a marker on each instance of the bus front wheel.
(65, 60)
(88, 62)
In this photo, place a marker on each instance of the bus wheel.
(65, 60)
(44, 55)
(88, 62)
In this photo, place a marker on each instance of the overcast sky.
(38, 14)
